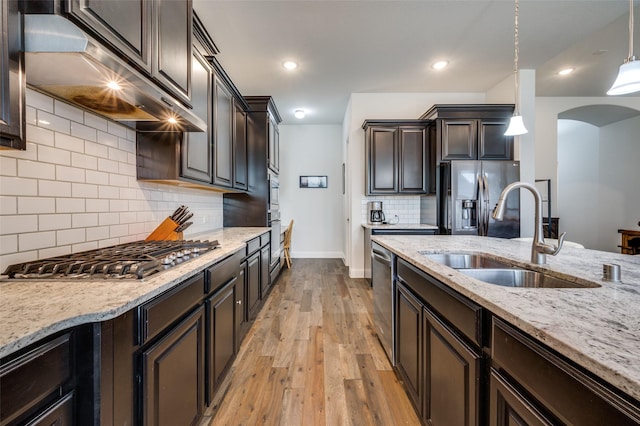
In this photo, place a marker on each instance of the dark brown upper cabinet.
(397, 156)
(12, 79)
(240, 167)
(223, 130)
(274, 144)
(155, 36)
(472, 132)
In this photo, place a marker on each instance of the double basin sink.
(497, 272)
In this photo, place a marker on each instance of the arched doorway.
(598, 174)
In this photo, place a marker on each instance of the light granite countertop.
(399, 226)
(32, 310)
(598, 328)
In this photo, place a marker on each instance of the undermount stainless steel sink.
(522, 278)
(466, 260)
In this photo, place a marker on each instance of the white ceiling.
(362, 46)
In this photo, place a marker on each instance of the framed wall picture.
(313, 181)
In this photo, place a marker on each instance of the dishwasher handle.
(382, 257)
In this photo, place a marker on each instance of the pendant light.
(628, 80)
(516, 125)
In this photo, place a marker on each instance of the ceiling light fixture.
(566, 71)
(299, 113)
(290, 65)
(516, 125)
(628, 80)
(440, 65)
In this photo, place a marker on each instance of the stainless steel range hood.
(63, 61)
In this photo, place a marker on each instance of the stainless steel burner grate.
(134, 260)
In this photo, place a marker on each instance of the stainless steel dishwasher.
(383, 296)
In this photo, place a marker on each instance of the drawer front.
(169, 307)
(220, 273)
(35, 379)
(253, 245)
(264, 239)
(555, 383)
(462, 313)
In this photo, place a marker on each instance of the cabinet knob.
(239, 302)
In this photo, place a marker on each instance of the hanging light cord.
(631, 57)
(515, 60)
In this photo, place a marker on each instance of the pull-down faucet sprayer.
(539, 249)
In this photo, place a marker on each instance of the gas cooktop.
(131, 261)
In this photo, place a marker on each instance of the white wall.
(578, 181)
(75, 187)
(317, 213)
(379, 106)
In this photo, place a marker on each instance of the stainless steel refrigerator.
(468, 191)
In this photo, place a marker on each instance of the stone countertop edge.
(399, 226)
(597, 328)
(33, 310)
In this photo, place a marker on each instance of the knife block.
(165, 232)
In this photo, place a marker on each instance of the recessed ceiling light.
(290, 65)
(299, 113)
(566, 71)
(440, 65)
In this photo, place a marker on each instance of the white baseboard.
(356, 273)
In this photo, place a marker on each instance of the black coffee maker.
(376, 216)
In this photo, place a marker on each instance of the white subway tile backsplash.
(118, 231)
(97, 206)
(117, 155)
(36, 240)
(33, 169)
(118, 205)
(8, 244)
(70, 205)
(75, 187)
(105, 165)
(53, 222)
(108, 218)
(39, 100)
(18, 186)
(90, 245)
(83, 190)
(106, 192)
(65, 110)
(107, 139)
(94, 121)
(96, 150)
(53, 122)
(95, 177)
(118, 180)
(116, 129)
(48, 154)
(40, 136)
(84, 161)
(97, 233)
(51, 188)
(69, 142)
(8, 205)
(8, 166)
(84, 132)
(31, 205)
(70, 236)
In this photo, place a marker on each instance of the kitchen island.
(598, 329)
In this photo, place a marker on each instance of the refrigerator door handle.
(480, 207)
(486, 207)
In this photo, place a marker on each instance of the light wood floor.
(312, 357)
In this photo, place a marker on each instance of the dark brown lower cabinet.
(253, 284)
(409, 342)
(240, 315)
(173, 375)
(451, 375)
(59, 414)
(509, 407)
(221, 330)
(265, 281)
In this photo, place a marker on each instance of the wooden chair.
(287, 244)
